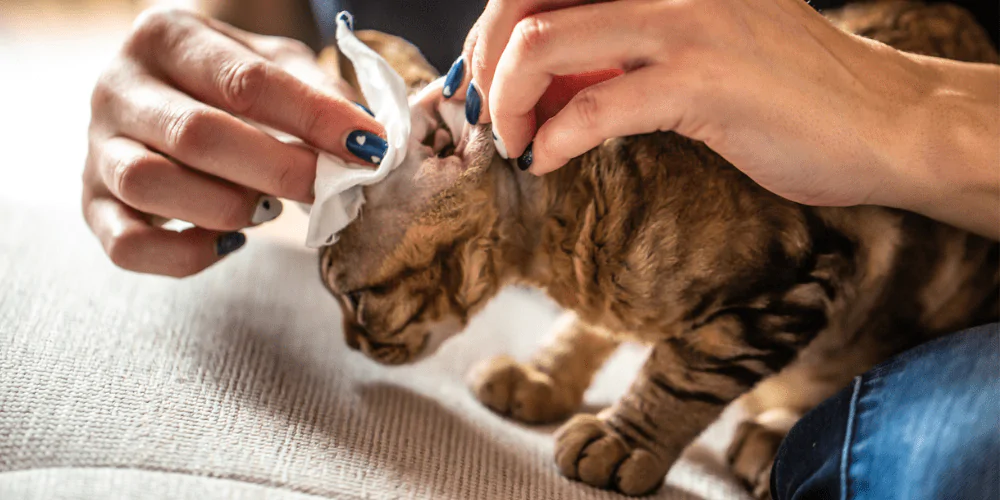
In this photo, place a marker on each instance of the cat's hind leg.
(550, 387)
(755, 445)
(777, 403)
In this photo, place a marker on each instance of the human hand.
(167, 140)
(803, 108)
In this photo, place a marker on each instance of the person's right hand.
(167, 141)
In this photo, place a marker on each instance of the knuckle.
(131, 178)
(102, 97)
(480, 73)
(189, 131)
(289, 181)
(241, 83)
(588, 109)
(110, 88)
(532, 34)
(152, 25)
(314, 123)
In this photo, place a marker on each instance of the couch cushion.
(129, 484)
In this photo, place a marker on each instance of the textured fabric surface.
(130, 383)
(129, 484)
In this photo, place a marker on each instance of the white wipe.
(339, 184)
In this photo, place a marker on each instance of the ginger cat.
(655, 239)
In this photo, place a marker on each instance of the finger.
(212, 141)
(498, 21)
(570, 41)
(291, 55)
(494, 27)
(133, 244)
(224, 73)
(643, 101)
(271, 47)
(457, 79)
(150, 183)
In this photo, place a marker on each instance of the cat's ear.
(427, 199)
(445, 155)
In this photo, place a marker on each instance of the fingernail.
(473, 104)
(362, 106)
(367, 146)
(499, 144)
(347, 19)
(454, 78)
(229, 243)
(524, 161)
(268, 208)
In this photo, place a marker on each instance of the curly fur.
(657, 239)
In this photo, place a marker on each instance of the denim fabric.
(923, 425)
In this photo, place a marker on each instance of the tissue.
(338, 187)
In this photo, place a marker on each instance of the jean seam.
(848, 437)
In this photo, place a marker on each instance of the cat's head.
(414, 264)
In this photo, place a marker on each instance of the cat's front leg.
(682, 387)
(550, 387)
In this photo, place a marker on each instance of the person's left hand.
(803, 108)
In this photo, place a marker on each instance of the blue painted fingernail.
(473, 104)
(454, 78)
(362, 106)
(229, 243)
(524, 161)
(367, 146)
(347, 19)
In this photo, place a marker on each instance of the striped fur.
(656, 239)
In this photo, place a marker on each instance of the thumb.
(564, 87)
(634, 103)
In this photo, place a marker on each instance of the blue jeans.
(923, 425)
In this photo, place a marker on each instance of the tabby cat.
(655, 239)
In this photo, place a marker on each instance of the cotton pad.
(339, 183)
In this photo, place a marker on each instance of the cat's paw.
(591, 451)
(754, 447)
(521, 392)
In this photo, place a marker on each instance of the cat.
(655, 239)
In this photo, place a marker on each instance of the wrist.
(944, 159)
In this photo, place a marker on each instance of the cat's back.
(659, 232)
(931, 278)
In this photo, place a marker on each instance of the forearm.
(947, 159)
